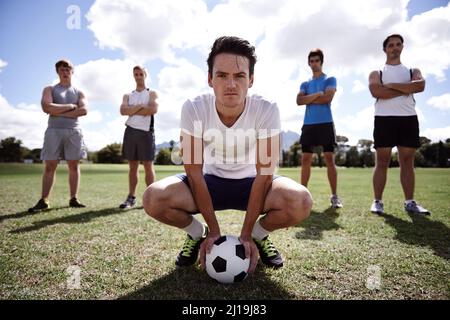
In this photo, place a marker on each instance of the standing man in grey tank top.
(396, 123)
(63, 138)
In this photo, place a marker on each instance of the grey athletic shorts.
(138, 145)
(63, 144)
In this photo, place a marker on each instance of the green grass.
(126, 254)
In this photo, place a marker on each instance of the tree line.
(429, 154)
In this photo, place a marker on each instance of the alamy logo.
(73, 22)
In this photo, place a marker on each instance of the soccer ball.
(226, 262)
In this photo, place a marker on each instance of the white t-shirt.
(398, 106)
(230, 152)
(137, 121)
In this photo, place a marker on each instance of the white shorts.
(63, 144)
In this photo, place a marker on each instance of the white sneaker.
(335, 202)
(413, 207)
(377, 207)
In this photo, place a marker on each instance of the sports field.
(102, 252)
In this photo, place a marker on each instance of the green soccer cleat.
(268, 254)
(40, 206)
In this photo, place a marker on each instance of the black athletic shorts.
(393, 131)
(321, 134)
(138, 145)
(227, 193)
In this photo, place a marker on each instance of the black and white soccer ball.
(226, 262)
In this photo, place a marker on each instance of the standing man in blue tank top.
(63, 138)
(318, 127)
(396, 123)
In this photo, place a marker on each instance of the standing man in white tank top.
(63, 137)
(139, 139)
(396, 123)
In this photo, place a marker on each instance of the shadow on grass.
(317, 223)
(83, 217)
(194, 284)
(24, 214)
(422, 232)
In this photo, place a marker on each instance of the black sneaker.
(41, 205)
(129, 202)
(268, 254)
(74, 203)
(189, 254)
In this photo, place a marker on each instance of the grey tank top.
(64, 95)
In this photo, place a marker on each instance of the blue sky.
(172, 39)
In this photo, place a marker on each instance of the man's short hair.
(385, 42)
(233, 45)
(140, 68)
(316, 53)
(63, 63)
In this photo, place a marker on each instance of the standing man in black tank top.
(63, 138)
(139, 138)
(396, 123)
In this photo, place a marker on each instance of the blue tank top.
(64, 95)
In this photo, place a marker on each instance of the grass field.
(127, 255)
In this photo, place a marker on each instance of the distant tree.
(341, 139)
(284, 158)
(367, 156)
(34, 154)
(92, 156)
(295, 154)
(443, 156)
(11, 150)
(163, 157)
(112, 153)
(352, 158)
(341, 151)
(424, 141)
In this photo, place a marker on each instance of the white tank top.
(398, 106)
(137, 121)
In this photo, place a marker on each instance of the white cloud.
(440, 102)
(105, 80)
(147, 29)
(436, 134)
(25, 122)
(358, 86)
(2, 64)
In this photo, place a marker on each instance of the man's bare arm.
(303, 99)
(325, 98)
(152, 106)
(266, 161)
(378, 90)
(416, 85)
(193, 165)
(80, 110)
(126, 109)
(51, 108)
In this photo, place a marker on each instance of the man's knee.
(153, 200)
(382, 162)
(298, 205)
(50, 166)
